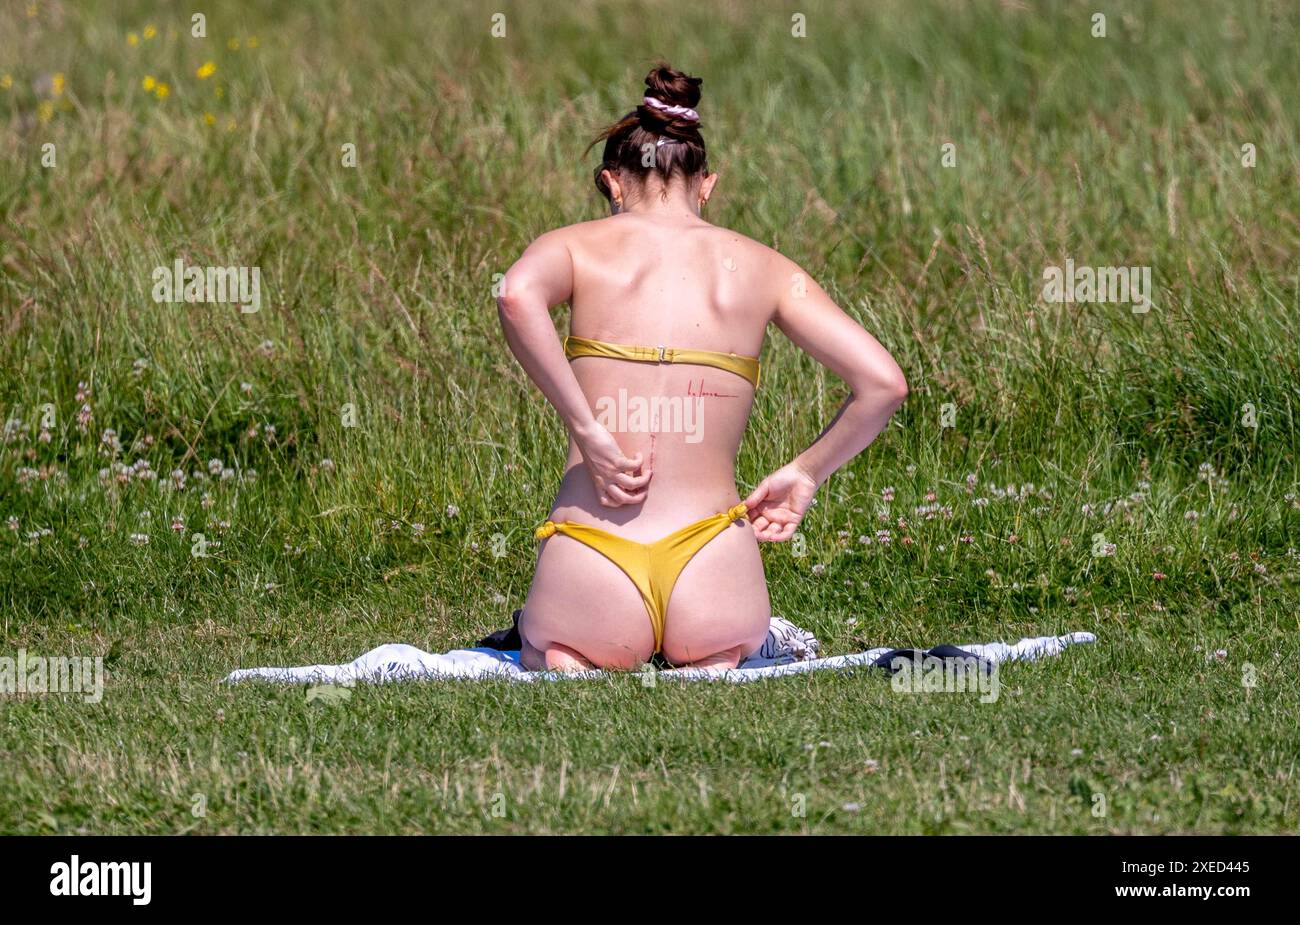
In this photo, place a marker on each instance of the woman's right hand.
(779, 502)
(619, 480)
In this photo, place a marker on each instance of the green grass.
(1072, 421)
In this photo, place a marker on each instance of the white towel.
(398, 662)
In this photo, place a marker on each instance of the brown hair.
(638, 133)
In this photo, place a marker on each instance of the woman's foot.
(554, 657)
(721, 661)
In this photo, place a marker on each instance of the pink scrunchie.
(690, 115)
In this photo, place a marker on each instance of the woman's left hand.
(779, 502)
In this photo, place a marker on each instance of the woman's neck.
(655, 205)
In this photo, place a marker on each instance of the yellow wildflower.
(219, 91)
(148, 83)
(206, 70)
(231, 125)
(132, 39)
(161, 91)
(57, 83)
(31, 11)
(233, 44)
(252, 41)
(149, 32)
(209, 118)
(45, 110)
(6, 81)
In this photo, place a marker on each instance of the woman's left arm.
(541, 279)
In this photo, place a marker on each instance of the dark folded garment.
(895, 660)
(507, 640)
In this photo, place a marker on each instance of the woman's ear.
(706, 187)
(615, 190)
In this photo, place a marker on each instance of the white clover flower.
(110, 441)
(215, 466)
(140, 539)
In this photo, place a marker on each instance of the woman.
(647, 547)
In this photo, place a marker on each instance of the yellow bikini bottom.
(652, 567)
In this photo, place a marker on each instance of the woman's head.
(658, 145)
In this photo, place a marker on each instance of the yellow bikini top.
(748, 367)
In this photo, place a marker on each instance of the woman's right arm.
(539, 280)
(818, 326)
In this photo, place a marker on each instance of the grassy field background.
(1071, 421)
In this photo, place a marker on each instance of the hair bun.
(671, 86)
